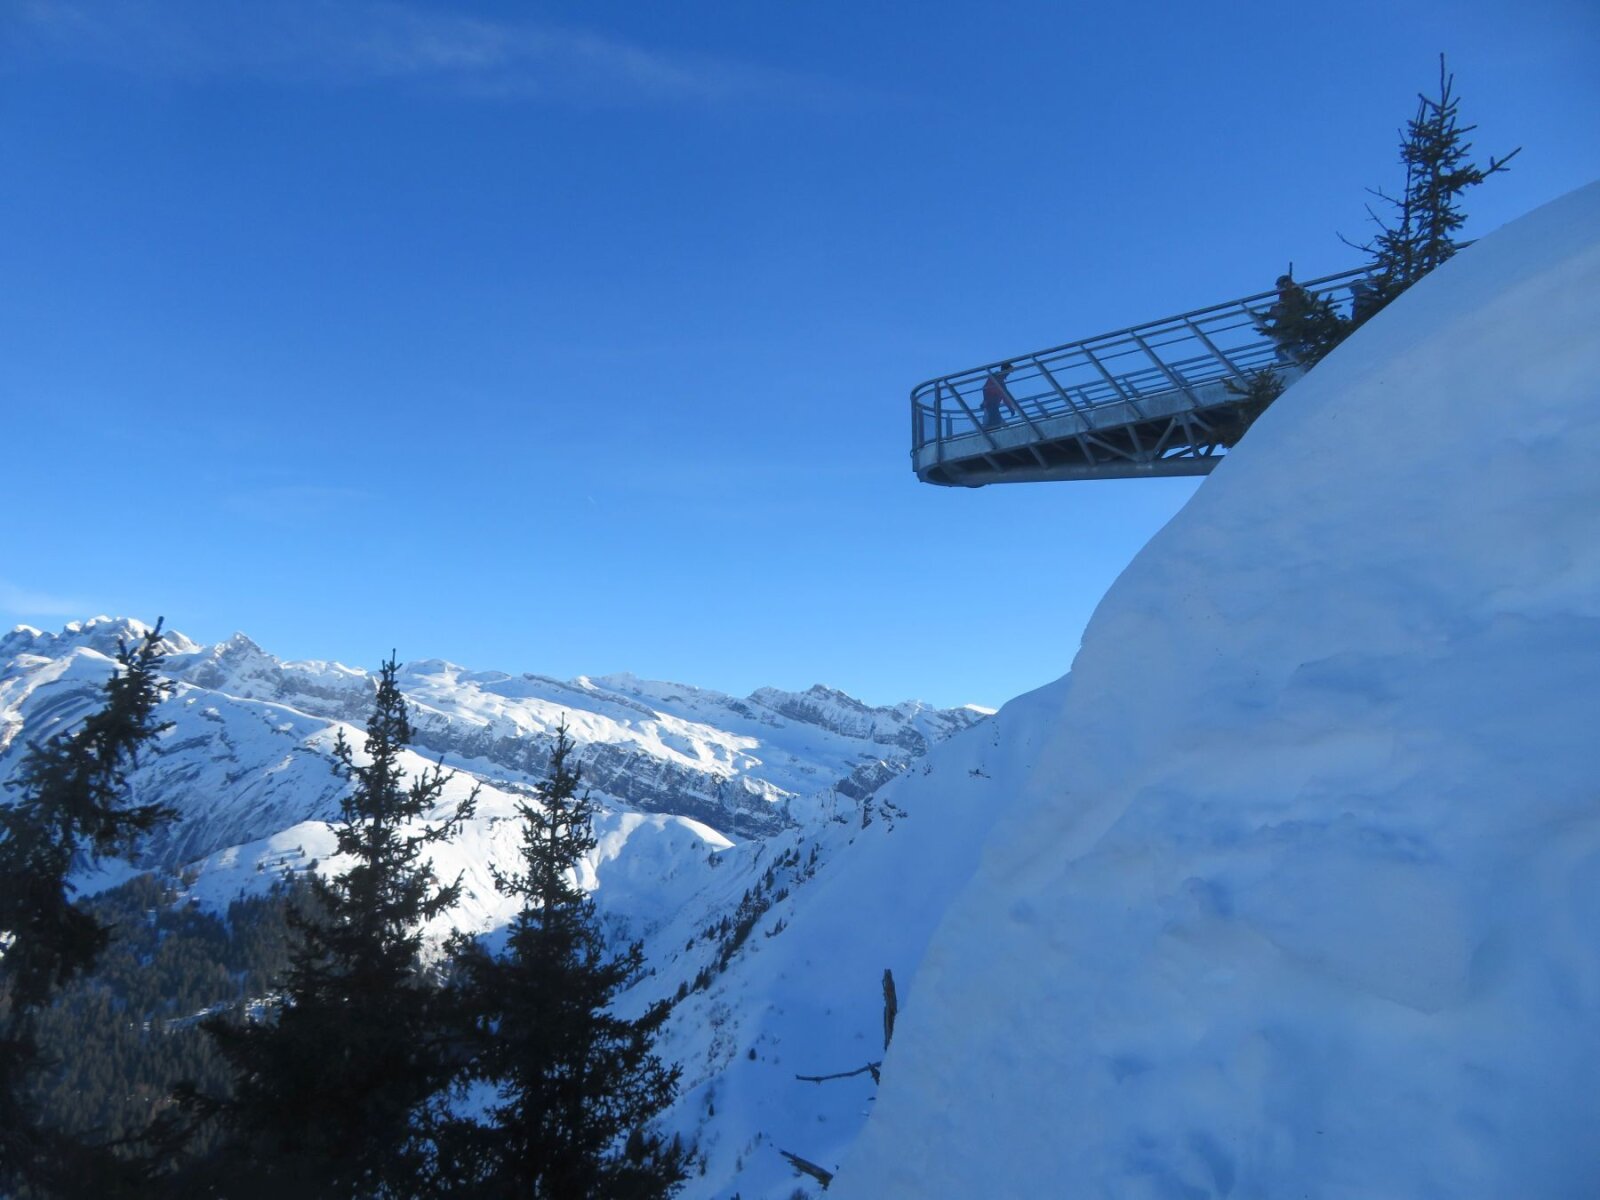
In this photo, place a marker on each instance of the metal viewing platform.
(1149, 400)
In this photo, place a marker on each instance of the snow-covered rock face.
(1301, 895)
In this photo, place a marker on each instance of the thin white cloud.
(362, 42)
(19, 601)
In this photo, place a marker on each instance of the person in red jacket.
(995, 394)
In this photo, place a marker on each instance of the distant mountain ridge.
(247, 729)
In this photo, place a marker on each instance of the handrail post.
(1072, 405)
(1116, 385)
(955, 392)
(1181, 384)
(1212, 346)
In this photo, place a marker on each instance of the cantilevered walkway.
(1149, 400)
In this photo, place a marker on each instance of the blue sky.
(577, 338)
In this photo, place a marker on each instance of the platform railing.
(1171, 358)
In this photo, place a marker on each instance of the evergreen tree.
(1255, 396)
(1418, 237)
(1427, 214)
(1305, 327)
(331, 1098)
(576, 1085)
(73, 802)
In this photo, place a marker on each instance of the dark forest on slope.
(120, 1038)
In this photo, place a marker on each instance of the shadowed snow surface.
(1300, 896)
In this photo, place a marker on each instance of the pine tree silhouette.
(1305, 327)
(576, 1085)
(332, 1098)
(73, 788)
(1426, 216)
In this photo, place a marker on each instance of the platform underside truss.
(1183, 443)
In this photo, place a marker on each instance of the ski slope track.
(1300, 894)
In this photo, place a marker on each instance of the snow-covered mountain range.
(249, 731)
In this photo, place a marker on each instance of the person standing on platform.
(995, 395)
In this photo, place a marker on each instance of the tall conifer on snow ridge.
(575, 1084)
(332, 1097)
(1426, 215)
(1418, 236)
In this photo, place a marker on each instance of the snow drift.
(1301, 894)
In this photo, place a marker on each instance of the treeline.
(119, 1040)
(309, 1044)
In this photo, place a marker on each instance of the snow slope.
(803, 994)
(1300, 896)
